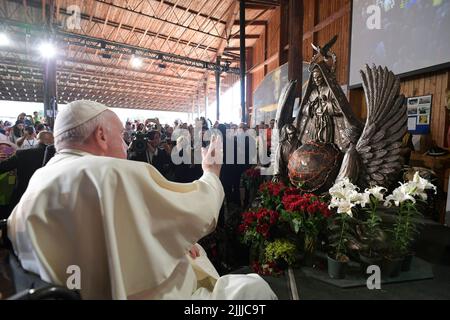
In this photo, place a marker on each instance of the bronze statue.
(288, 144)
(368, 154)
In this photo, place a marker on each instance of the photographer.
(149, 148)
(152, 124)
(28, 140)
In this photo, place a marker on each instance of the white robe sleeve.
(151, 223)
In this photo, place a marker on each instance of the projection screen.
(404, 35)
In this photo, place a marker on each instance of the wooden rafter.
(194, 12)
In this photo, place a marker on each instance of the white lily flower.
(334, 203)
(400, 195)
(338, 193)
(346, 207)
(365, 199)
(422, 184)
(354, 197)
(377, 192)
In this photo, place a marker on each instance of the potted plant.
(282, 252)
(344, 197)
(370, 232)
(406, 225)
(306, 214)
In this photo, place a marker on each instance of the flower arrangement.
(305, 213)
(288, 222)
(343, 229)
(344, 197)
(274, 231)
(406, 225)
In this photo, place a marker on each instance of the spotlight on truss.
(136, 62)
(4, 40)
(47, 50)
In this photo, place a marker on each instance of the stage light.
(136, 62)
(47, 50)
(4, 40)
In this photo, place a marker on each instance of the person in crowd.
(128, 133)
(21, 116)
(140, 127)
(39, 127)
(28, 140)
(26, 162)
(17, 131)
(36, 119)
(7, 179)
(126, 227)
(158, 154)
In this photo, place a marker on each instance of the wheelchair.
(23, 284)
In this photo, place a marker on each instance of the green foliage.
(340, 233)
(372, 226)
(281, 249)
(405, 228)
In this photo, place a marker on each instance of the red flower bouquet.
(306, 214)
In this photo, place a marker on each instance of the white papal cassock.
(126, 227)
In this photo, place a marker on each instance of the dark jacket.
(26, 162)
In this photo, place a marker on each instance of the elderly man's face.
(117, 147)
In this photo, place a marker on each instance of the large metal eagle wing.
(285, 105)
(376, 158)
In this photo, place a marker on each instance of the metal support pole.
(50, 90)
(242, 57)
(198, 105)
(206, 99)
(50, 94)
(217, 73)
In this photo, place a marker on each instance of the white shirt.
(28, 144)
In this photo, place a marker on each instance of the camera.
(139, 142)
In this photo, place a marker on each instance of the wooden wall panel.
(273, 39)
(258, 58)
(436, 84)
(339, 27)
(323, 9)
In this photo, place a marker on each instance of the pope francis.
(126, 228)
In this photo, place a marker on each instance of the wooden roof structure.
(177, 41)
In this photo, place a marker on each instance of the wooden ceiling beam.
(253, 23)
(247, 36)
(235, 48)
(192, 11)
(157, 18)
(137, 30)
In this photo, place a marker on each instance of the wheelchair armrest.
(47, 293)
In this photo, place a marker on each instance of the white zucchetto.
(75, 114)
